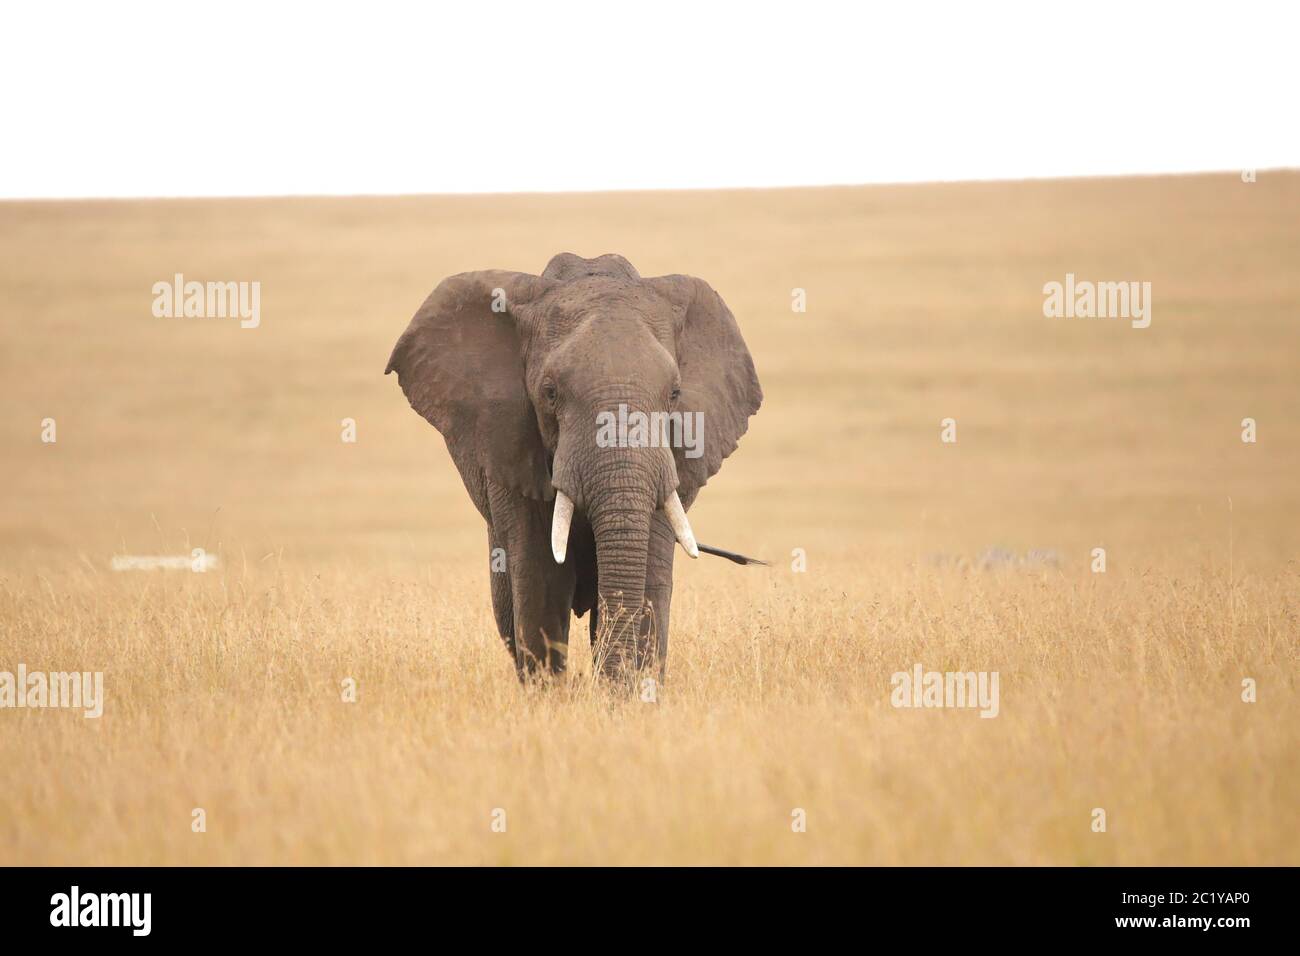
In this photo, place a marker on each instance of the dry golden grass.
(1119, 691)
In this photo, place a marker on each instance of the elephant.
(526, 377)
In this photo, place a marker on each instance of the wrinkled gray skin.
(516, 391)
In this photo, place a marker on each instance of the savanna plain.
(364, 564)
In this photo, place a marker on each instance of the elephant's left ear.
(460, 363)
(718, 378)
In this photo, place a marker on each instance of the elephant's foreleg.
(541, 591)
(502, 603)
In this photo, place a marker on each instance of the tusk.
(681, 527)
(560, 525)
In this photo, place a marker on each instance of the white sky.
(253, 99)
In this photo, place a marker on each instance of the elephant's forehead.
(606, 299)
(566, 266)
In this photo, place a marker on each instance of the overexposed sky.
(235, 98)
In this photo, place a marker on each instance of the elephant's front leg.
(541, 591)
(659, 584)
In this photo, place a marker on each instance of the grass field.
(1119, 690)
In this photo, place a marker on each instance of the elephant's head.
(529, 379)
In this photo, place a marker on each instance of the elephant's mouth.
(672, 509)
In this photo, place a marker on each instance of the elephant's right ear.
(460, 365)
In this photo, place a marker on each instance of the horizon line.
(1090, 177)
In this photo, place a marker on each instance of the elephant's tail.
(732, 556)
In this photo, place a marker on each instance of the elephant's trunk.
(622, 532)
(562, 521)
(619, 487)
(622, 488)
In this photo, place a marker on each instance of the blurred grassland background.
(1119, 690)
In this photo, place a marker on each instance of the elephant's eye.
(675, 394)
(548, 389)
